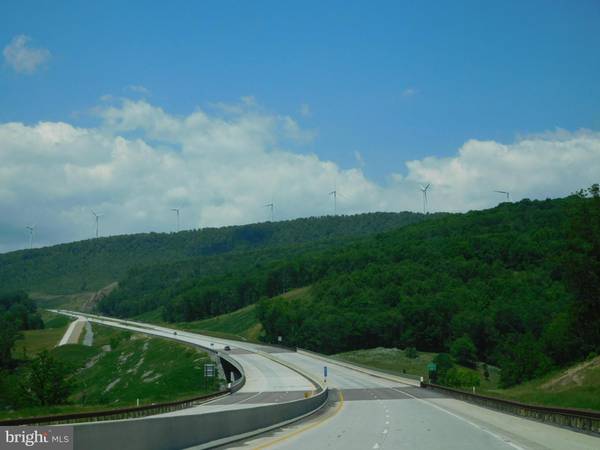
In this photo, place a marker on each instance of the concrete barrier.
(177, 432)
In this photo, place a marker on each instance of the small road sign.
(209, 370)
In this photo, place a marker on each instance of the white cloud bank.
(24, 59)
(221, 169)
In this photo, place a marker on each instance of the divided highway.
(365, 411)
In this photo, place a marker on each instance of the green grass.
(390, 360)
(576, 387)
(395, 361)
(238, 325)
(241, 324)
(122, 367)
(34, 341)
(73, 302)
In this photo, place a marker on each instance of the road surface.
(365, 411)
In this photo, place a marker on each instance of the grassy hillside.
(242, 323)
(575, 387)
(92, 264)
(118, 369)
(400, 362)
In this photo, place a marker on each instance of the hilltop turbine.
(335, 194)
(31, 229)
(505, 193)
(270, 205)
(424, 189)
(177, 211)
(97, 216)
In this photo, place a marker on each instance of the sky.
(218, 108)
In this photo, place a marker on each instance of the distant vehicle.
(227, 347)
(175, 333)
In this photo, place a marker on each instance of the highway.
(364, 411)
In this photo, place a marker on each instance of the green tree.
(444, 363)
(8, 336)
(46, 381)
(464, 351)
(583, 267)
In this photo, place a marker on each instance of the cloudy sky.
(221, 108)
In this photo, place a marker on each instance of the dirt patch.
(573, 376)
(111, 385)
(90, 303)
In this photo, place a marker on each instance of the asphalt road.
(377, 413)
(365, 411)
(266, 380)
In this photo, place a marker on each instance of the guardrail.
(577, 419)
(401, 378)
(113, 414)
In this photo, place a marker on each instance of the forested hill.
(517, 286)
(92, 264)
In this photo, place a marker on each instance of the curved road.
(365, 411)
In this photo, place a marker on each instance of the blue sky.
(393, 81)
(479, 71)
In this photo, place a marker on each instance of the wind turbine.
(505, 193)
(97, 216)
(335, 194)
(31, 229)
(424, 189)
(270, 205)
(177, 211)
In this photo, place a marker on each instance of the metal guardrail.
(113, 414)
(578, 419)
(412, 380)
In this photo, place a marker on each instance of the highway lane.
(378, 413)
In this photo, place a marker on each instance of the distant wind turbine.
(97, 216)
(177, 211)
(424, 190)
(505, 193)
(31, 229)
(270, 205)
(335, 193)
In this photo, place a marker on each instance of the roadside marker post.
(325, 373)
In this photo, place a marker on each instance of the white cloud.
(359, 158)
(140, 161)
(138, 89)
(305, 110)
(24, 59)
(409, 92)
